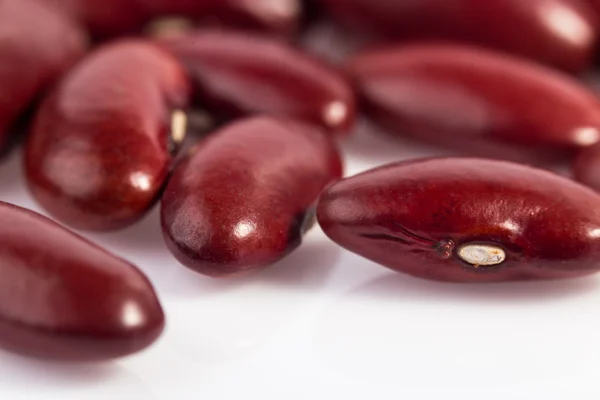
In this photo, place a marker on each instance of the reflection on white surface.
(326, 324)
(566, 23)
(397, 330)
(29, 379)
(241, 329)
(251, 311)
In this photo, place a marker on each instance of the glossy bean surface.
(37, 46)
(62, 297)
(99, 153)
(595, 4)
(476, 101)
(109, 18)
(243, 199)
(466, 220)
(562, 33)
(238, 74)
(278, 17)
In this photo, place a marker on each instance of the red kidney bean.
(37, 46)
(595, 4)
(242, 200)
(476, 101)
(466, 219)
(117, 17)
(562, 33)
(238, 74)
(281, 16)
(98, 154)
(63, 297)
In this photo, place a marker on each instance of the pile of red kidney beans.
(213, 109)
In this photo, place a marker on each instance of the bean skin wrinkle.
(466, 220)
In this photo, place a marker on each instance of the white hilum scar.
(481, 255)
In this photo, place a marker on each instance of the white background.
(325, 324)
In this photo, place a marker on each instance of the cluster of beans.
(112, 100)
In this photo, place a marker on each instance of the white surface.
(325, 324)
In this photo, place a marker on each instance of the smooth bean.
(99, 152)
(109, 18)
(476, 101)
(239, 74)
(62, 297)
(562, 33)
(243, 199)
(38, 45)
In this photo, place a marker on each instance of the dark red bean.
(239, 74)
(476, 101)
(104, 18)
(562, 33)
(280, 17)
(108, 18)
(242, 200)
(595, 4)
(63, 297)
(37, 46)
(466, 219)
(99, 150)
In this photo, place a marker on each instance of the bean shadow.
(372, 145)
(592, 79)
(400, 287)
(304, 270)
(21, 371)
(331, 42)
(245, 313)
(144, 236)
(144, 246)
(12, 177)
